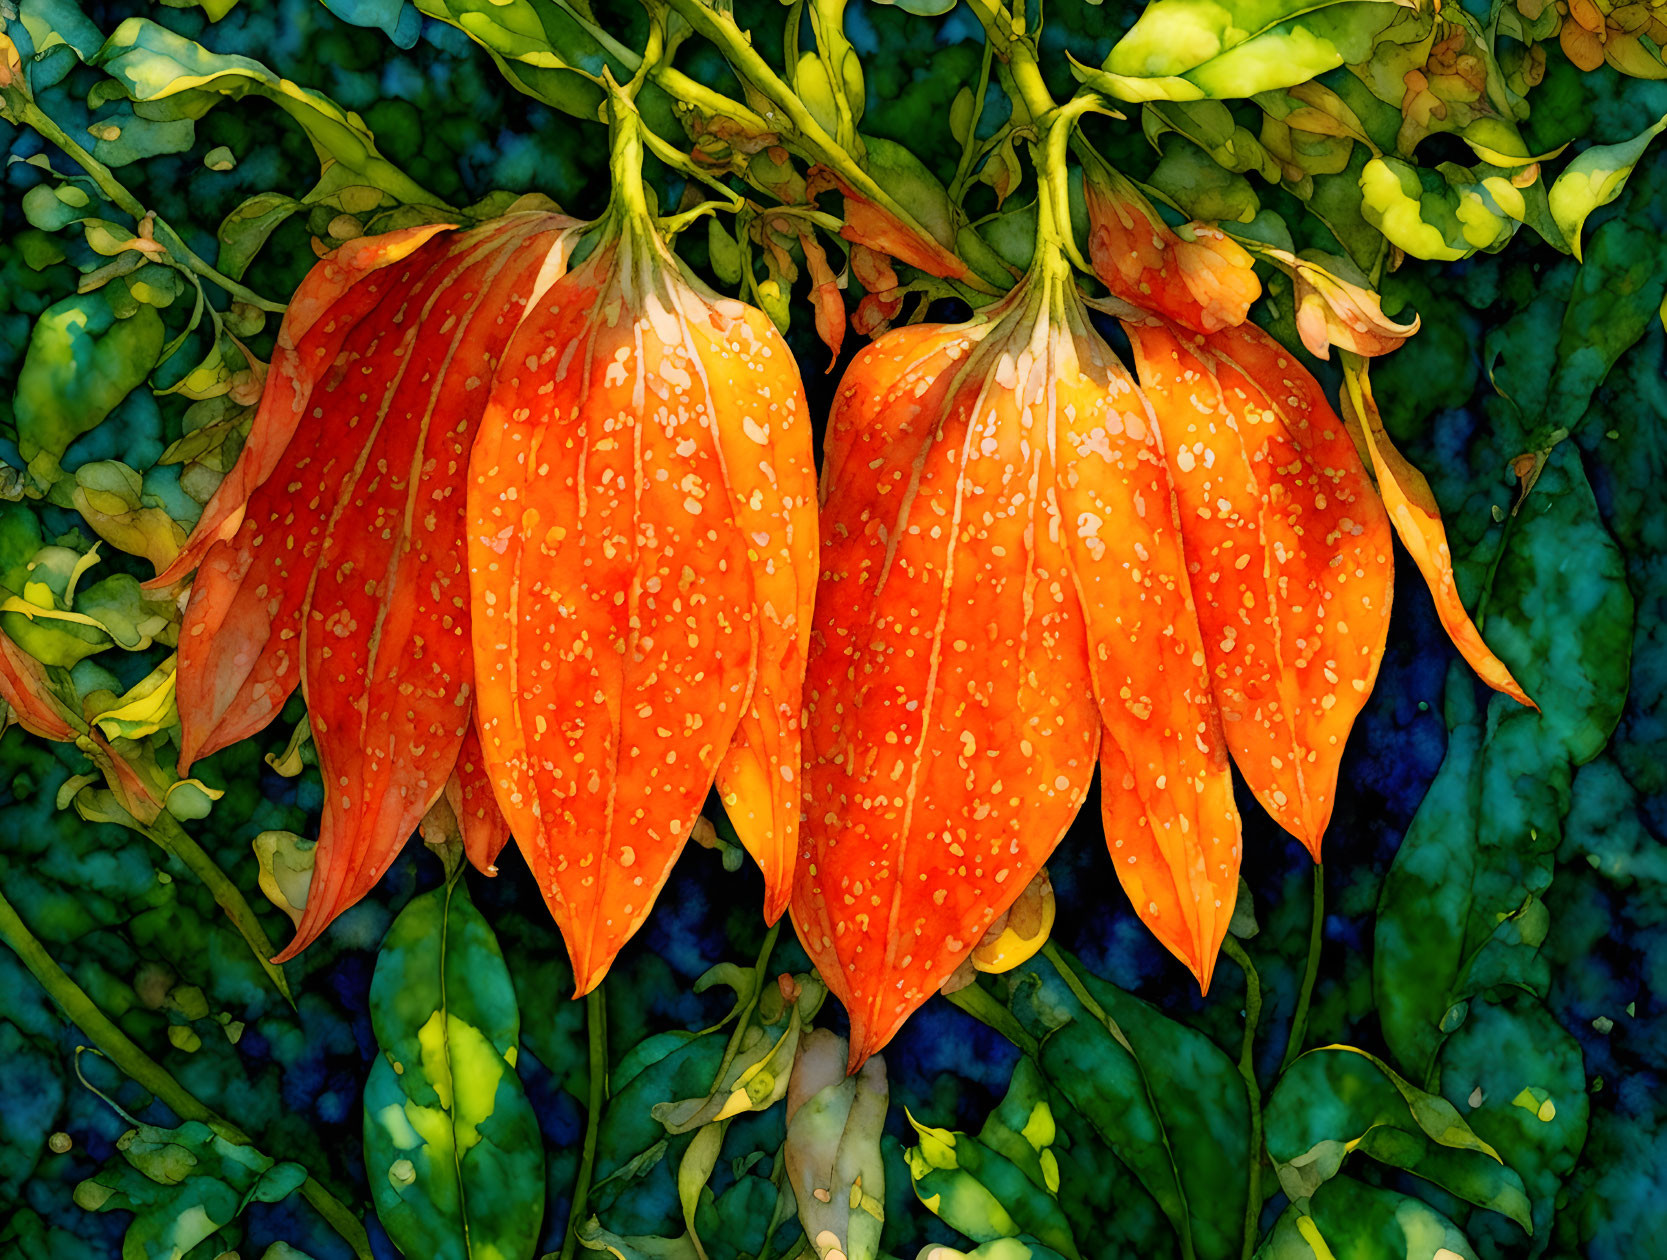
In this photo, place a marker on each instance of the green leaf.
(1441, 215)
(154, 64)
(1521, 1079)
(1336, 1100)
(1202, 188)
(1595, 178)
(1162, 1096)
(979, 1192)
(1187, 50)
(1560, 612)
(1346, 1220)
(922, 8)
(183, 1185)
(832, 1151)
(81, 362)
(543, 49)
(452, 1148)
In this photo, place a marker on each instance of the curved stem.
(115, 1045)
(111, 187)
(976, 1001)
(1247, 1069)
(799, 122)
(174, 839)
(1316, 930)
(758, 969)
(596, 1025)
(1015, 49)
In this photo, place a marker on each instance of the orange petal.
(618, 588)
(1205, 283)
(950, 737)
(1166, 789)
(1417, 519)
(387, 659)
(830, 303)
(28, 693)
(239, 646)
(344, 286)
(469, 793)
(764, 437)
(879, 229)
(1288, 553)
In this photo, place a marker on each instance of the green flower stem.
(758, 970)
(1316, 929)
(1247, 1069)
(32, 115)
(722, 31)
(978, 1002)
(115, 1045)
(174, 839)
(1015, 49)
(596, 1025)
(1079, 990)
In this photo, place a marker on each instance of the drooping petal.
(240, 657)
(1417, 519)
(1333, 310)
(29, 697)
(1288, 552)
(873, 226)
(1202, 283)
(386, 650)
(485, 830)
(628, 548)
(1165, 786)
(467, 811)
(764, 437)
(950, 736)
(331, 300)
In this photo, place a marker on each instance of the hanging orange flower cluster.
(535, 542)
(1030, 564)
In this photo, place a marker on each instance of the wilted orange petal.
(617, 584)
(387, 656)
(1288, 553)
(1166, 789)
(830, 303)
(876, 228)
(1203, 284)
(950, 734)
(307, 346)
(1412, 508)
(26, 690)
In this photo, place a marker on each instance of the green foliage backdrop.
(1481, 955)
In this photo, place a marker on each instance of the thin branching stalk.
(121, 1050)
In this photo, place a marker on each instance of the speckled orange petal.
(1417, 519)
(1166, 789)
(950, 735)
(388, 661)
(239, 645)
(344, 287)
(620, 632)
(469, 791)
(1288, 551)
(764, 438)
